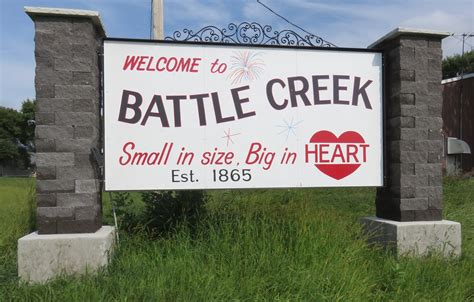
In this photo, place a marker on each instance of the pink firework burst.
(246, 66)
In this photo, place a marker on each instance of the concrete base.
(416, 238)
(43, 257)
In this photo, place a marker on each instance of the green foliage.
(27, 115)
(158, 213)
(15, 128)
(452, 66)
(261, 245)
(10, 123)
(127, 218)
(165, 210)
(10, 130)
(9, 153)
(28, 109)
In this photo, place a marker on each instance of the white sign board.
(200, 116)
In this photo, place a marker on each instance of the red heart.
(337, 171)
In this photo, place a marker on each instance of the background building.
(458, 122)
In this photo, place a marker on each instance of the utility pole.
(461, 88)
(157, 19)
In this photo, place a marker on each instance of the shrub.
(166, 210)
(127, 219)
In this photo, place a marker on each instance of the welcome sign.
(203, 116)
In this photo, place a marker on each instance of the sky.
(345, 23)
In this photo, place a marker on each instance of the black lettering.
(177, 108)
(161, 111)
(336, 88)
(137, 114)
(317, 89)
(302, 92)
(217, 110)
(238, 102)
(200, 104)
(270, 96)
(360, 91)
(174, 175)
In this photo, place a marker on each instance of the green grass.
(263, 245)
(16, 210)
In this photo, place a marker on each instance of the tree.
(452, 66)
(9, 154)
(27, 126)
(16, 134)
(10, 120)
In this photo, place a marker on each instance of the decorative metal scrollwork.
(249, 33)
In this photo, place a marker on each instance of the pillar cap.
(403, 31)
(94, 16)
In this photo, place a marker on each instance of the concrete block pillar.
(413, 100)
(70, 237)
(67, 45)
(414, 142)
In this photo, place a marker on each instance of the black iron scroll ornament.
(249, 33)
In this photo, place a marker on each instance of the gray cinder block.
(67, 43)
(413, 89)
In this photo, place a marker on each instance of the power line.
(463, 38)
(285, 19)
(460, 40)
(469, 34)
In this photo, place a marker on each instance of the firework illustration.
(245, 66)
(228, 135)
(289, 128)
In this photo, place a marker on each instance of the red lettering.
(152, 158)
(308, 152)
(130, 62)
(139, 158)
(364, 152)
(195, 65)
(323, 152)
(142, 62)
(144, 158)
(252, 156)
(172, 64)
(217, 158)
(337, 154)
(148, 67)
(205, 158)
(175, 62)
(124, 149)
(183, 64)
(352, 153)
(257, 154)
(228, 158)
(162, 59)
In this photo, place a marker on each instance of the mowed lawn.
(252, 245)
